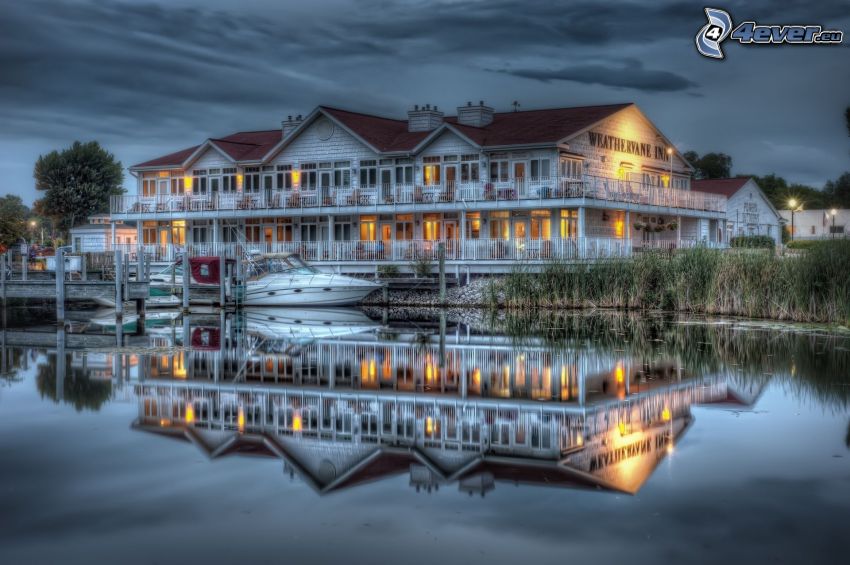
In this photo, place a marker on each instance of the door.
(519, 177)
(325, 181)
(386, 185)
(451, 231)
(450, 176)
(386, 241)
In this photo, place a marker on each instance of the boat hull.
(316, 290)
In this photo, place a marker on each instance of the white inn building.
(351, 191)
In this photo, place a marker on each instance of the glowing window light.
(579, 440)
(297, 423)
(240, 419)
(190, 413)
(239, 179)
(619, 226)
(296, 178)
(187, 183)
(429, 425)
(619, 373)
(622, 427)
(665, 414)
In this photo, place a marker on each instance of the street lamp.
(832, 213)
(793, 205)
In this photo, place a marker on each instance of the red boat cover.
(206, 270)
(205, 339)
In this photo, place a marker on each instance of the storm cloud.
(146, 78)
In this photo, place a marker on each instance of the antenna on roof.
(515, 104)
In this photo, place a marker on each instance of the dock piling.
(441, 251)
(60, 287)
(222, 268)
(119, 275)
(187, 276)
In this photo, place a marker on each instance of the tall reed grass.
(811, 287)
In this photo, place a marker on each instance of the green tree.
(13, 219)
(838, 191)
(77, 183)
(710, 165)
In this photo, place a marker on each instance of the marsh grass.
(811, 287)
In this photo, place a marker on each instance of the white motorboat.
(293, 324)
(286, 280)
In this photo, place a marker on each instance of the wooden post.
(222, 275)
(60, 288)
(187, 276)
(25, 263)
(3, 283)
(140, 316)
(140, 264)
(441, 251)
(119, 299)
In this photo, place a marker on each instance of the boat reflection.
(345, 409)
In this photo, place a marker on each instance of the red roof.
(391, 135)
(726, 187)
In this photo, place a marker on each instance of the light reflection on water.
(326, 423)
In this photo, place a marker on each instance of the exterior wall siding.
(740, 222)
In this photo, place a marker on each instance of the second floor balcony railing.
(402, 251)
(543, 190)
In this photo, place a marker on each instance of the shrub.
(805, 243)
(422, 265)
(753, 241)
(388, 271)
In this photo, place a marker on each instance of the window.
(284, 177)
(368, 228)
(176, 185)
(252, 180)
(540, 168)
(431, 227)
(309, 176)
(431, 175)
(368, 173)
(268, 182)
(215, 184)
(571, 168)
(149, 187)
(541, 223)
(228, 179)
(473, 225)
(342, 231)
(500, 225)
(404, 227)
(342, 175)
(199, 181)
(681, 183)
(569, 224)
(404, 174)
(499, 170)
(469, 172)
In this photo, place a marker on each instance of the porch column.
(463, 234)
(216, 236)
(331, 254)
(112, 229)
(627, 231)
(580, 227)
(139, 234)
(678, 230)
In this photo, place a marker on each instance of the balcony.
(498, 250)
(543, 191)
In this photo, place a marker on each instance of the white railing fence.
(541, 189)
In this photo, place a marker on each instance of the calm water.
(327, 436)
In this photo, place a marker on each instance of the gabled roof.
(241, 146)
(389, 135)
(725, 187)
(536, 126)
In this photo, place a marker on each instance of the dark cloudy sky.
(146, 78)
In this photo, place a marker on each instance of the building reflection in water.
(342, 401)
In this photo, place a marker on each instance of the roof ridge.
(361, 113)
(235, 142)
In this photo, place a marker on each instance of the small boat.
(105, 318)
(287, 280)
(293, 324)
(157, 298)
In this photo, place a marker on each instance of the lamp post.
(793, 205)
(832, 213)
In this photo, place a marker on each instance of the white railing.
(543, 189)
(412, 250)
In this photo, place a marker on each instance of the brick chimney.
(424, 118)
(290, 123)
(476, 116)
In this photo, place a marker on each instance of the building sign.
(605, 141)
